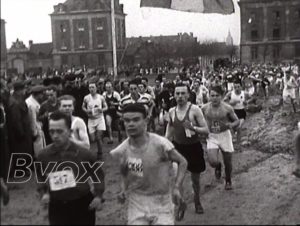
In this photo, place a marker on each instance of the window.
(297, 14)
(63, 45)
(252, 18)
(99, 25)
(254, 53)
(81, 44)
(80, 26)
(276, 52)
(276, 33)
(63, 28)
(254, 35)
(276, 15)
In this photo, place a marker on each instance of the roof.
(41, 50)
(91, 5)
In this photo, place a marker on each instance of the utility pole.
(114, 44)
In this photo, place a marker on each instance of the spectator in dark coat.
(18, 123)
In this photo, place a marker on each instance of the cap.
(18, 85)
(37, 89)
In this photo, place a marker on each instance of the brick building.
(3, 49)
(270, 30)
(34, 58)
(156, 50)
(81, 33)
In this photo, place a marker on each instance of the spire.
(229, 39)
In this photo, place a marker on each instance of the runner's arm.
(84, 141)
(170, 129)
(175, 156)
(199, 117)
(84, 106)
(227, 97)
(104, 104)
(233, 117)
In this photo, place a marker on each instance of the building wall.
(85, 37)
(3, 65)
(270, 30)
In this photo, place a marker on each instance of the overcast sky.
(30, 20)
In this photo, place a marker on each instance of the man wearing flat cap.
(18, 123)
(34, 103)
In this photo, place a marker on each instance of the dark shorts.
(241, 114)
(193, 153)
(75, 212)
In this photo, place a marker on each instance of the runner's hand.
(96, 204)
(176, 196)
(188, 125)
(45, 199)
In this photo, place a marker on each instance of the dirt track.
(264, 192)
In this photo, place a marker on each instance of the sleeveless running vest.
(238, 97)
(179, 130)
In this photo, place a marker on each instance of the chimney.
(191, 34)
(30, 43)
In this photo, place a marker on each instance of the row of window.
(265, 52)
(276, 33)
(276, 15)
(80, 46)
(80, 27)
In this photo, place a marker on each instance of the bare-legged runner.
(220, 118)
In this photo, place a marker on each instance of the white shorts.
(220, 141)
(230, 86)
(97, 124)
(288, 93)
(150, 210)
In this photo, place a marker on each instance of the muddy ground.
(265, 192)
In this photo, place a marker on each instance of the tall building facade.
(3, 49)
(82, 33)
(270, 31)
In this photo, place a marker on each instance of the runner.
(146, 168)
(185, 124)
(79, 131)
(238, 99)
(201, 93)
(135, 97)
(47, 107)
(289, 90)
(112, 98)
(94, 105)
(220, 118)
(70, 201)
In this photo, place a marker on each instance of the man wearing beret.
(33, 102)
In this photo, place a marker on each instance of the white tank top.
(92, 103)
(74, 133)
(240, 98)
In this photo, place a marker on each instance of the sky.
(30, 20)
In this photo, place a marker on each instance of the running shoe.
(198, 208)
(180, 211)
(228, 186)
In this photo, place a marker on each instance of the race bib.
(215, 127)
(135, 166)
(61, 180)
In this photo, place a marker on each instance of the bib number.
(215, 127)
(135, 166)
(61, 180)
